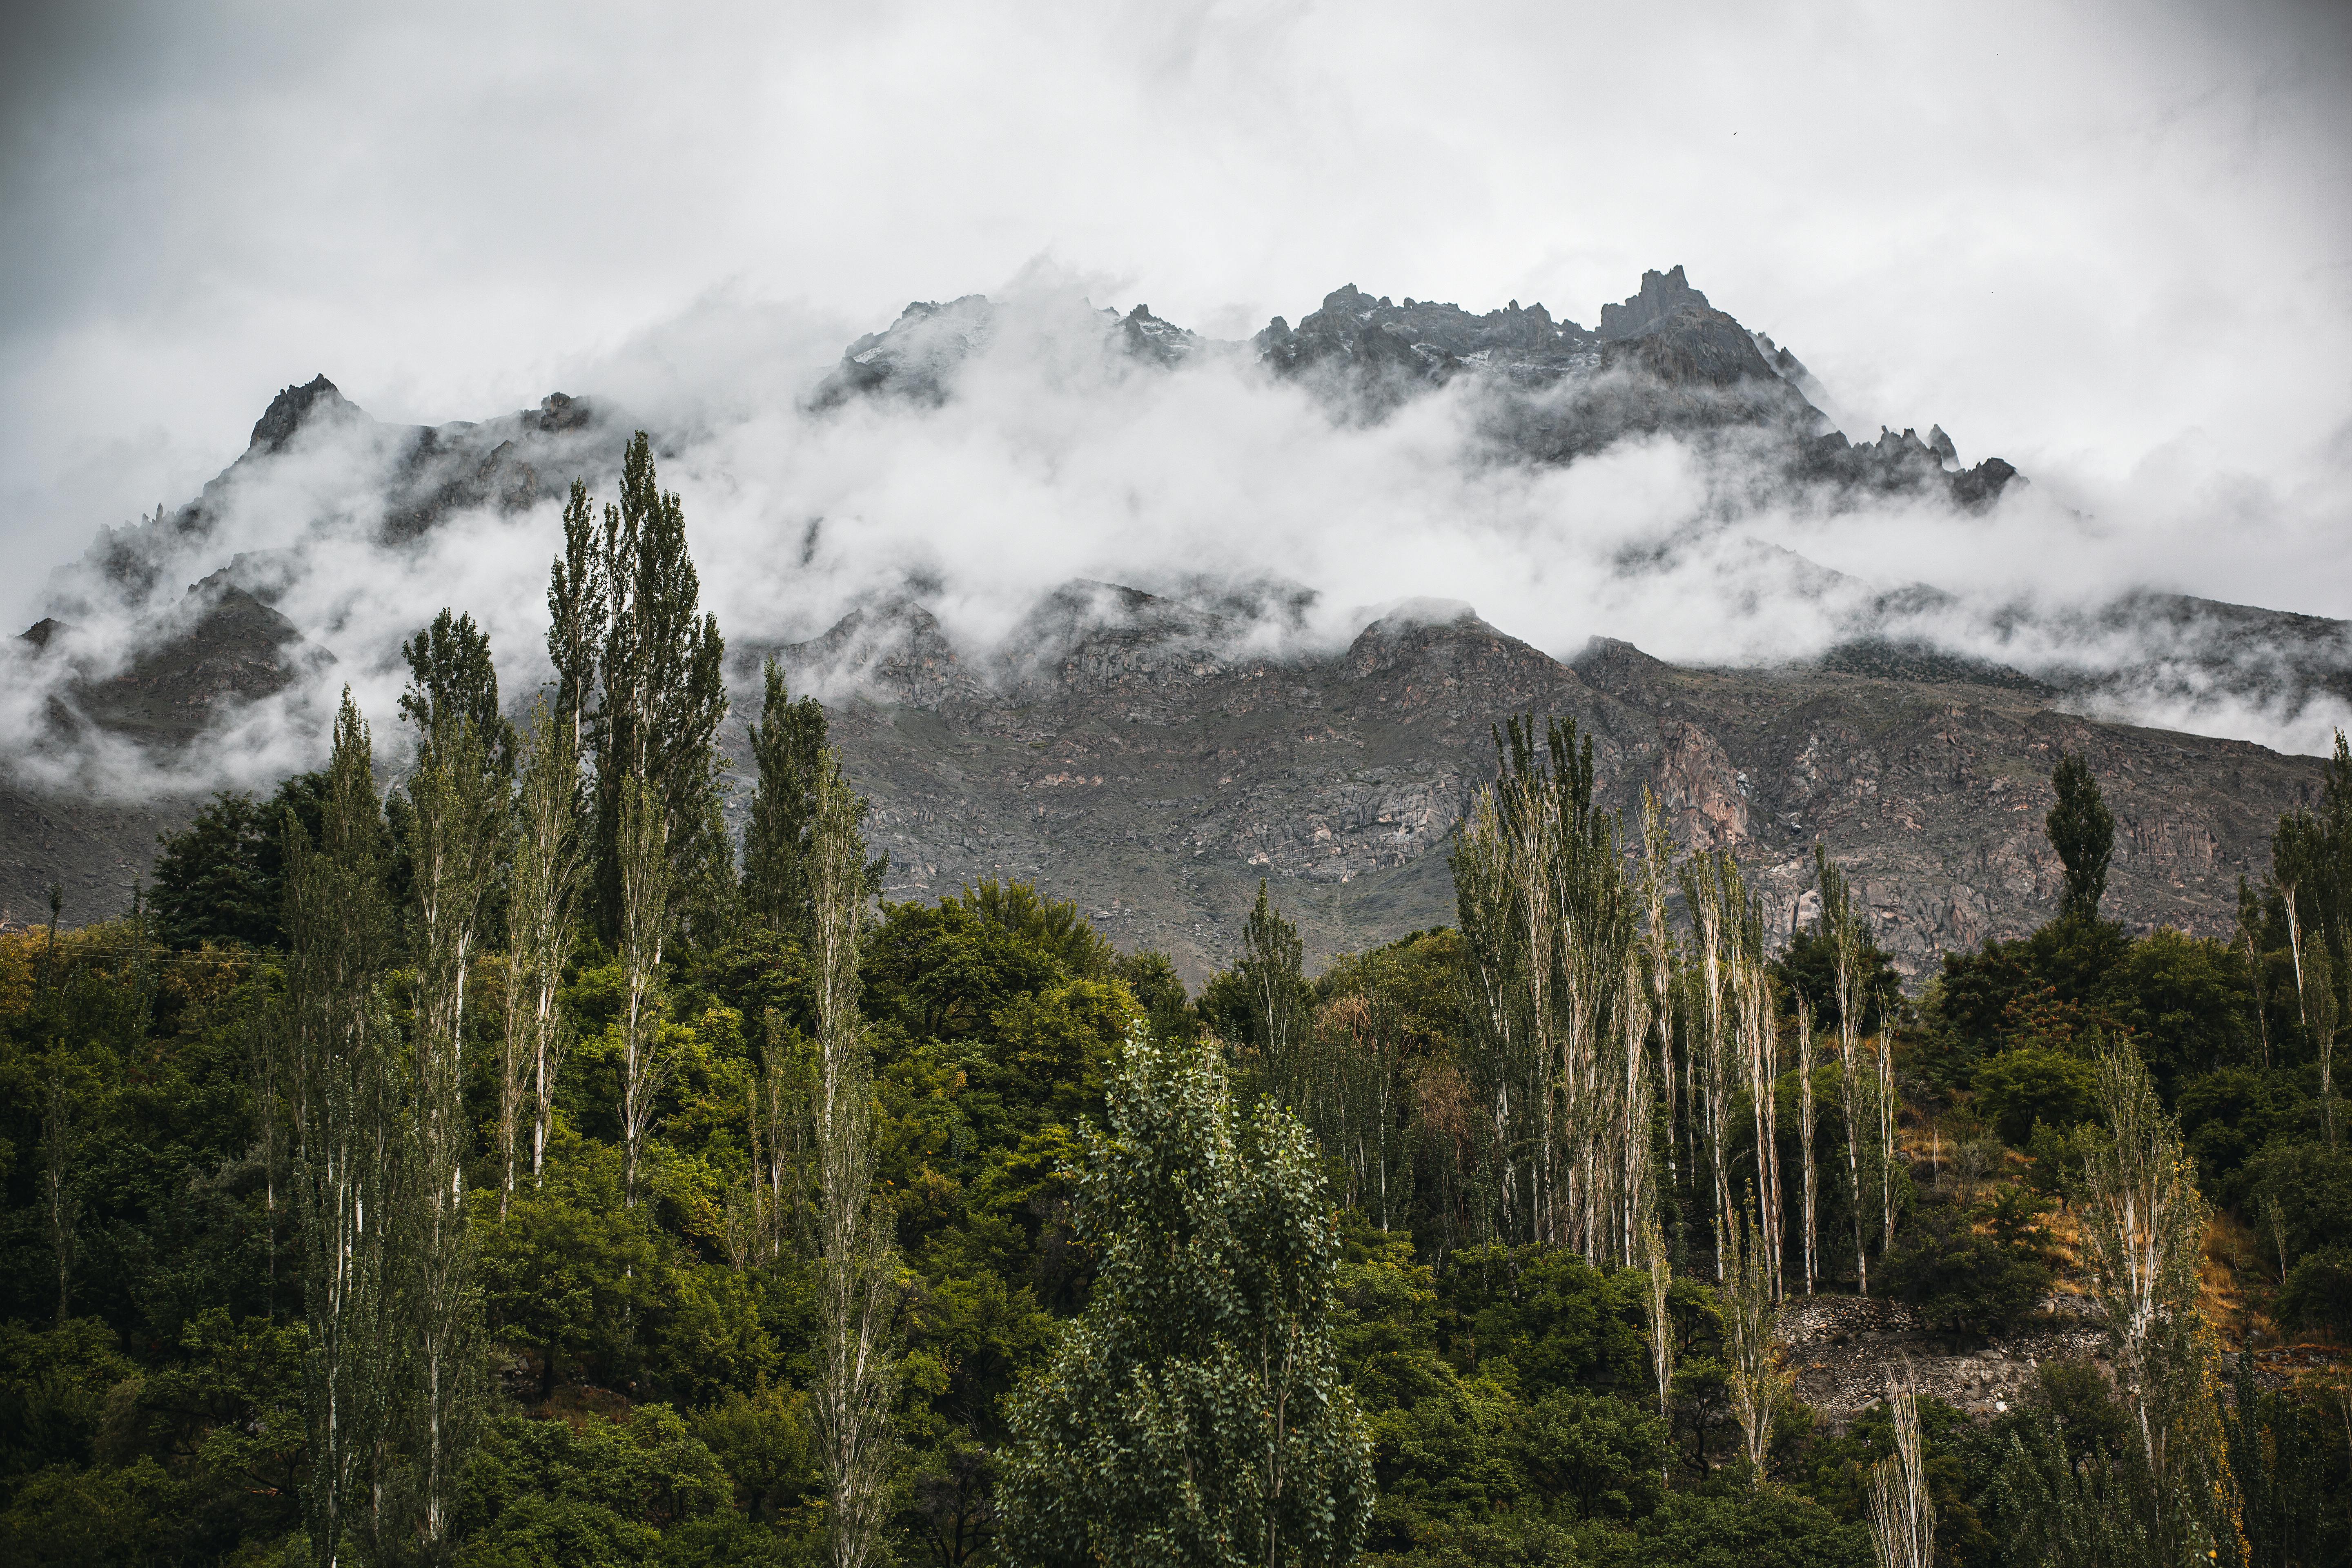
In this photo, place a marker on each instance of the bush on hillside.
(2030, 1084)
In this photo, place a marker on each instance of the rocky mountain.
(1152, 755)
(1144, 763)
(1663, 361)
(411, 477)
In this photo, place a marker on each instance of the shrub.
(2030, 1084)
(2319, 1292)
(1961, 1281)
(1604, 1452)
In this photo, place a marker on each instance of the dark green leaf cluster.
(1194, 1412)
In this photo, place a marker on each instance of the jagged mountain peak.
(1664, 360)
(295, 408)
(1660, 294)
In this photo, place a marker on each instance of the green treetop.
(2083, 831)
(1195, 1412)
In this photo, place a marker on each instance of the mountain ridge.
(1139, 759)
(1193, 738)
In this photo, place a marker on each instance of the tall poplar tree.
(542, 899)
(578, 613)
(1272, 968)
(646, 1058)
(2143, 1223)
(456, 830)
(453, 689)
(1841, 922)
(1556, 1003)
(788, 748)
(2083, 831)
(661, 692)
(344, 1101)
(627, 630)
(858, 1288)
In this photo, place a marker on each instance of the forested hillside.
(475, 1153)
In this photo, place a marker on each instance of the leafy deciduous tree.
(2083, 831)
(1194, 1412)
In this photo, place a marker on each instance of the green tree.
(1270, 971)
(456, 831)
(1601, 1450)
(2083, 831)
(1194, 1412)
(550, 1492)
(223, 878)
(567, 1272)
(657, 677)
(347, 1144)
(788, 746)
(2027, 1085)
(1961, 1281)
(453, 687)
(1056, 927)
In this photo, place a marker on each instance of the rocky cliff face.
(1143, 764)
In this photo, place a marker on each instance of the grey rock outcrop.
(1134, 753)
(1661, 293)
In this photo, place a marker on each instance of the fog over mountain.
(1009, 538)
(1666, 478)
(2000, 348)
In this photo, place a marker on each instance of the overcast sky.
(2112, 243)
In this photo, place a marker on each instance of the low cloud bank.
(1048, 451)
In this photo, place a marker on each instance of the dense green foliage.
(1376, 1265)
(1193, 1412)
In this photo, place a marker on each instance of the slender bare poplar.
(1770, 1033)
(1550, 979)
(543, 907)
(1759, 1385)
(265, 1046)
(1490, 999)
(1657, 861)
(61, 1077)
(1843, 926)
(1901, 1516)
(1654, 1300)
(1356, 1099)
(1703, 891)
(1887, 1107)
(1636, 1109)
(857, 1305)
(645, 1064)
(1805, 1132)
(1526, 827)
(2143, 1225)
(2323, 1022)
(1759, 1043)
(2294, 948)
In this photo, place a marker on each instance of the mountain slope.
(1144, 767)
